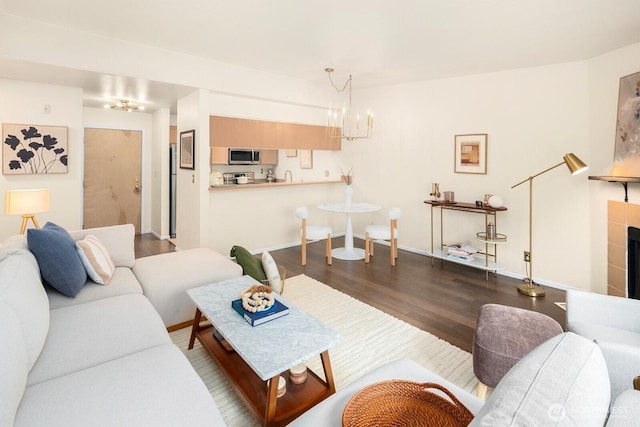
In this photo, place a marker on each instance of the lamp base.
(25, 219)
(531, 290)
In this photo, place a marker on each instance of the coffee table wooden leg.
(272, 399)
(328, 373)
(194, 328)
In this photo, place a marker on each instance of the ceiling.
(378, 41)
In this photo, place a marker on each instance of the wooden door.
(112, 177)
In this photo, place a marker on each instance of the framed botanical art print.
(34, 149)
(470, 153)
(187, 149)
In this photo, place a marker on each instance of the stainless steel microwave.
(243, 156)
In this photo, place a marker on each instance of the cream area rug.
(370, 338)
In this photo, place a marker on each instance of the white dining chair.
(383, 232)
(313, 232)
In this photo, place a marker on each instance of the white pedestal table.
(348, 252)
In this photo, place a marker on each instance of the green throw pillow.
(251, 265)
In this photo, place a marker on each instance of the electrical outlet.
(326, 173)
(527, 256)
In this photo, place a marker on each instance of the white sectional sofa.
(103, 358)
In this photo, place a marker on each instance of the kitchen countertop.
(262, 183)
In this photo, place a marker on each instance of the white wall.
(160, 174)
(110, 119)
(532, 117)
(192, 212)
(23, 103)
(604, 78)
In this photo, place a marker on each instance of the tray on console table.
(462, 206)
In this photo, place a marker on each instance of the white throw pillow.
(96, 259)
(562, 382)
(271, 270)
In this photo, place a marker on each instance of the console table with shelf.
(487, 260)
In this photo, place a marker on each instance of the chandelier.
(124, 105)
(345, 119)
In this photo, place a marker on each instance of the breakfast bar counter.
(264, 184)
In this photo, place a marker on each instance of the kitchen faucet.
(290, 176)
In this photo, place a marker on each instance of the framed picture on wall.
(187, 149)
(34, 149)
(470, 153)
(627, 144)
(306, 159)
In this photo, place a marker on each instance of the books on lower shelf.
(254, 319)
(217, 335)
(463, 252)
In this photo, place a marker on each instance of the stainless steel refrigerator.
(173, 164)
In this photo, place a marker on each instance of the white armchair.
(614, 323)
(604, 317)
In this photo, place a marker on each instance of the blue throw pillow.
(60, 264)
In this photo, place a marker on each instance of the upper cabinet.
(245, 133)
(230, 132)
(306, 137)
(173, 134)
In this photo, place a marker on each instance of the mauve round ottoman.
(503, 336)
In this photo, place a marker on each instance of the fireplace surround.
(621, 217)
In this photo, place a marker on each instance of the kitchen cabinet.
(306, 137)
(232, 132)
(173, 134)
(246, 133)
(269, 157)
(219, 155)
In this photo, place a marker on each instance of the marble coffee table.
(264, 352)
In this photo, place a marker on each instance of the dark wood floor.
(443, 300)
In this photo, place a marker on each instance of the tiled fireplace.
(620, 216)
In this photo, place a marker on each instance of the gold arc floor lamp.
(27, 203)
(575, 166)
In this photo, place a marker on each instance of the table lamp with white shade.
(27, 203)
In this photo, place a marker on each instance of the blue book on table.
(254, 319)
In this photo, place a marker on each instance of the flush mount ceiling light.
(124, 105)
(344, 123)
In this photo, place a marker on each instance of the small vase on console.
(348, 193)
